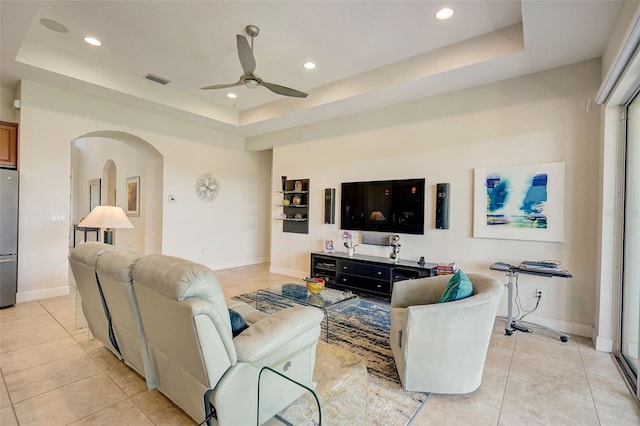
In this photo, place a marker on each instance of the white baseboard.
(27, 296)
(567, 327)
(237, 264)
(289, 272)
(603, 344)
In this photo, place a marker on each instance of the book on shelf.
(445, 268)
(501, 266)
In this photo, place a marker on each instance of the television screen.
(385, 206)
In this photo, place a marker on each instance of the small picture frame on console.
(328, 246)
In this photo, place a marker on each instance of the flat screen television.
(386, 206)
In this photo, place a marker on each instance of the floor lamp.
(107, 217)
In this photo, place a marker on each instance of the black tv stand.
(366, 275)
(512, 272)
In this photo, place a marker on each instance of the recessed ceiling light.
(444, 13)
(54, 25)
(309, 65)
(231, 95)
(92, 41)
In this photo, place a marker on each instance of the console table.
(365, 274)
(85, 230)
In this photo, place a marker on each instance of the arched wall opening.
(114, 157)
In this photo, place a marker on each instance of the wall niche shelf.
(295, 210)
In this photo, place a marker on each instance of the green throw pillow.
(459, 287)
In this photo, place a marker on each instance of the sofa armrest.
(269, 335)
(250, 314)
(421, 291)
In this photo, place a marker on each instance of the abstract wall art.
(524, 202)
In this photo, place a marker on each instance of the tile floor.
(53, 374)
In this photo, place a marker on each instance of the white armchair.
(442, 347)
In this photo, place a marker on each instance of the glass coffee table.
(326, 300)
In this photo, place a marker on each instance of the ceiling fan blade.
(247, 60)
(222, 86)
(286, 91)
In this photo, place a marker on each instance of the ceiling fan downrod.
(252, 31)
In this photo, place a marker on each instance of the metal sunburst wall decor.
(207, 187)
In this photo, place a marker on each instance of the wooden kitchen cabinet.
(8, 145)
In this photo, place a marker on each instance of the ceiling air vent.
(156, 79)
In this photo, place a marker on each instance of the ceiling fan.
(248, 62)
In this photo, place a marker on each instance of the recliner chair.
(442, 347)
(198, 364)
(114, 270)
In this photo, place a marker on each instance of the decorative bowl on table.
(315, 285)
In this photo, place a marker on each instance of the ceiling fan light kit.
(251, 83)
(248, 63)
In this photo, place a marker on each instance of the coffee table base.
(298, 293)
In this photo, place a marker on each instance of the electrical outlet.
(539, 293)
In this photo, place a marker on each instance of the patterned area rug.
(362, 327)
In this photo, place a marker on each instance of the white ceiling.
(369, 53)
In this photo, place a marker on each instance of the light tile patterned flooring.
(53, 374)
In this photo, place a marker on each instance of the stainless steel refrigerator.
(8, 237)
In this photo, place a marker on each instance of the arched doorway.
(113, 157)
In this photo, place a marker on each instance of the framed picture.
(133, 196)
(523, 202)
(328, 246)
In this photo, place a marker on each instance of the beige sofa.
(442, 347)
(183, 342)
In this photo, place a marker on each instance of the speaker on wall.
(330, 205)
(442, 206)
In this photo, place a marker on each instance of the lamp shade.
(106, 217)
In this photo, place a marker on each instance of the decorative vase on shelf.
(351, 251)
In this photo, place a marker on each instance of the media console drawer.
(366, 274)
(363, 283)
(364, 269)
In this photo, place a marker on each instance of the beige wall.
(7, 111)
(533, 119)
